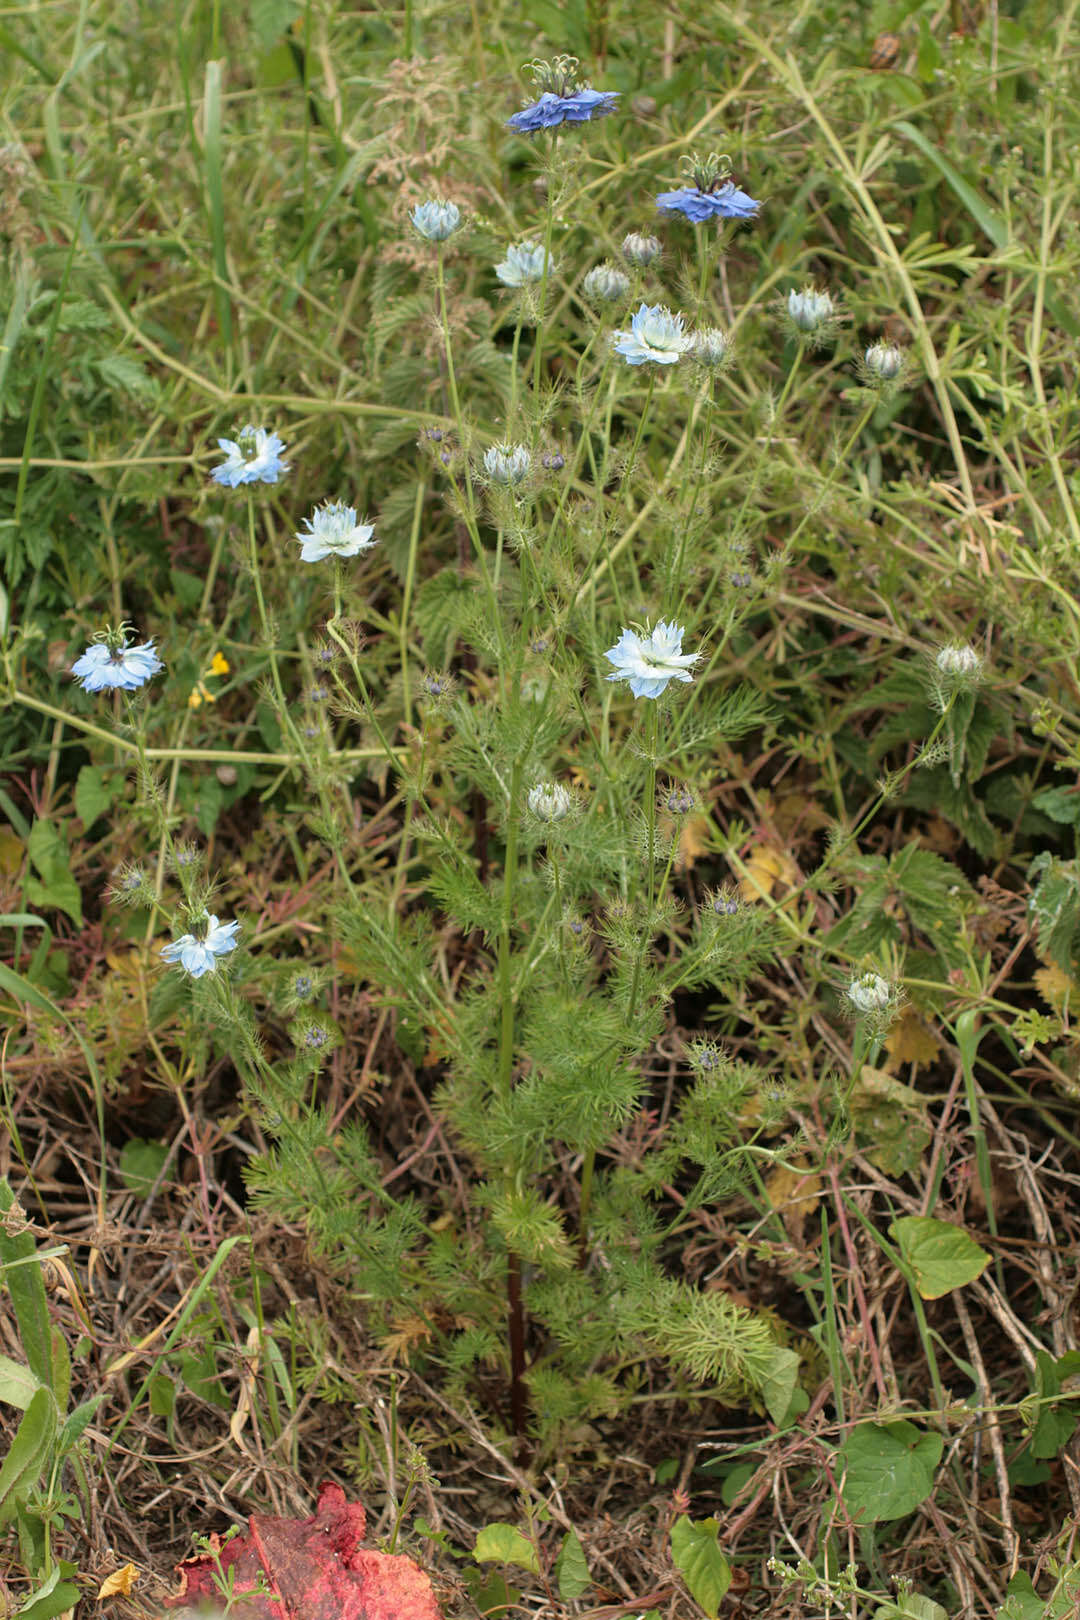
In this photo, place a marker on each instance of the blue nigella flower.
(651, 659)
(655, 335)
(524, 262)
(551, 110)
(198, 954)
(728, 202)
(110, 662)
(253, 457)
(334, 532)
(436, 220)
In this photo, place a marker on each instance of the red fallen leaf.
(310, 1569)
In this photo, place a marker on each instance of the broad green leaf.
(571, 1569)
(55, 886)
(911, 1606)
(29, 1451)
(888, 1469)
(92, 795)
(941, 1255)
(503, 1544)
(61, 1598)
(780, 1382)
(1024, 1603)
(695, 1547)
(26, 1286)
(490, 1594)
(18, 1384)
(140, 1164)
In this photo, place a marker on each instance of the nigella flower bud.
(725, 905)
(437, 685)
(741, 577)
(553, 461)
(640, 250)
(869, 993)
(810, 312)
(884, 362)
(959, 662)
(524, 263)
(680, 801)
(436, 220)
(606, 284)
(549, 801)
(712, 348)
(507, 463)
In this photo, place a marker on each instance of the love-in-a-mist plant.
(588, 697)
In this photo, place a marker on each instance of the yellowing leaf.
(11, 852)
(122, 1580)
(911, 1041)
(693, 841)
(769, 871)
(793, 1192)
(1055, 986)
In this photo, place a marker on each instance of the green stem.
(506, 997)
(538, 345)
(650, 838)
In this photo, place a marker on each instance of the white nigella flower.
(958, 661)
(810, 311)
(334, 532)
(507, 463)
(524, 262)
(655, 335)
(549, 801)
(198, 953)
(869, 993)
(651, 659)
(436, 220)
(253, 457)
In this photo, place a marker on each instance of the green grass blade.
(215, 195)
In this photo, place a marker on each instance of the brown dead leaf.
(11, 852)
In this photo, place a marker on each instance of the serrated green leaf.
(503, 1544)
(695, 1548)
(571, 1568)
(888, 1469)
(941, 1256)
(912, 1606)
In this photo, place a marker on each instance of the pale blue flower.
(651, 659)
(334, 532)
(524, 262)
(507, 463)
(655, 335)
(869, 993)
(551, 110)
(726, 202)
(253, 457)
(550, 801)
(605, 284)
(117, 665)
(198, 954)
(436, 220)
